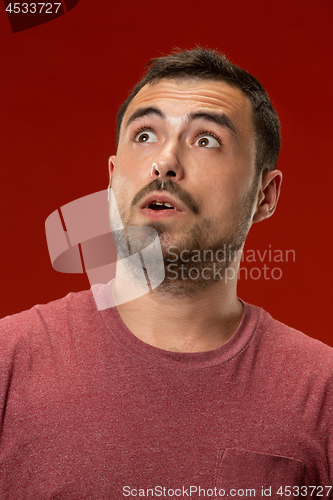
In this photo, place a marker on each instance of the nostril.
(171, 173)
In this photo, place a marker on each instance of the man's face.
(197, 137)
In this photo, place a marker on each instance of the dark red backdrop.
(62, 82)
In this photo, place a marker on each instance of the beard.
(197, 258)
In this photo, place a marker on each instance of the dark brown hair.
(209, 64)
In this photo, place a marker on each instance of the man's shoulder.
(74, 307)
(291, 347)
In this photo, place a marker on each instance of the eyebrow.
(148, 111)
(220, 119)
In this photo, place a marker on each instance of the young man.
(185, 391)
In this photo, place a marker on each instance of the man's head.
(191, 140)
(209, 65)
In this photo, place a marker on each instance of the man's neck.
(193, 323)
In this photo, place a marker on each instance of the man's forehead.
(192, 94)
(187, 95)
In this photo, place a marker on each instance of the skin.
(212, 164)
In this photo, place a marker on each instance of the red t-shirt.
(89, 411)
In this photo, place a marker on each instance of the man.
(185, 391)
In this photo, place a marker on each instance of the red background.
(62, 83)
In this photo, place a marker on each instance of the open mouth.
(157, 209)
(157, 206)
(161, 205)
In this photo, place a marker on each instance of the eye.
(145, 136)
(207, 141)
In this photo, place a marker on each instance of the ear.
(268, 194)
(111, 163)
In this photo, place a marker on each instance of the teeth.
(161, 204)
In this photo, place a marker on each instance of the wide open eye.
(146, 136)
(207, 141)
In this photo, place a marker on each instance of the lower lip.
(160, 214)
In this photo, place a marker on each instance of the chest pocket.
(246, 474)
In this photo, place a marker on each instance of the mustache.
(169, 187)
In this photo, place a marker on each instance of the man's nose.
(168, 163)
